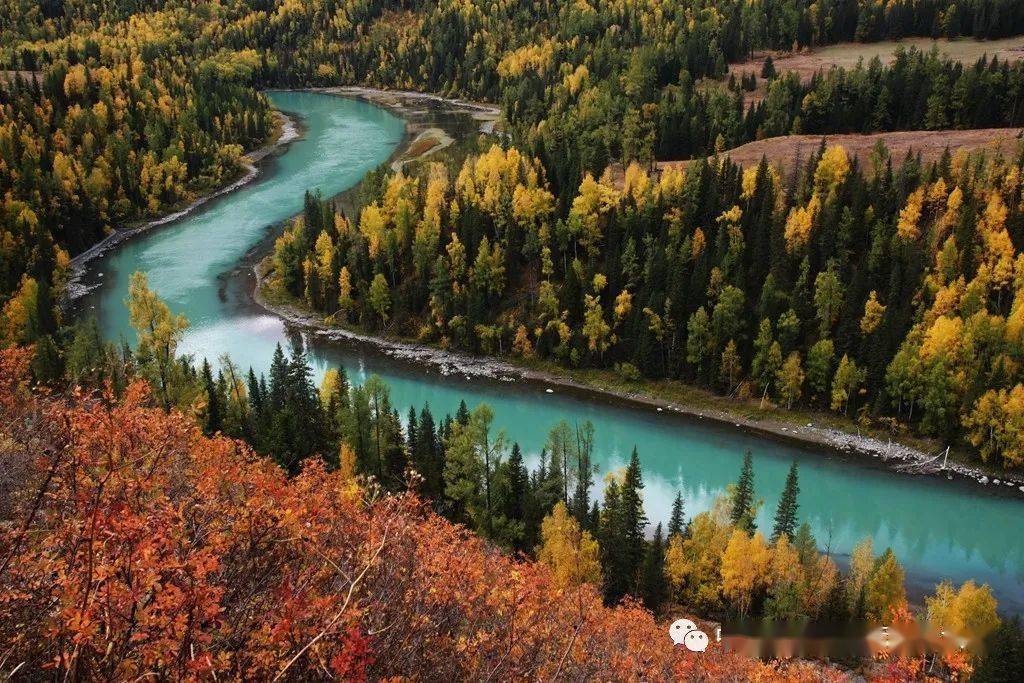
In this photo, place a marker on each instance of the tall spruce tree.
(518, 485)
(255, 396)
(396, 457)
(621, 533)
(428, 456)
(594, 521)
(580, 504)
(411, 433)
(303, 401)
(359, 431)
(214, 419)
(743, 496)
(676, 520)
(516, 497)
(634, 521)
(653, 585)
(462, 414)
(785, 514)
(278, 380)
(614, 560)
(379, 398)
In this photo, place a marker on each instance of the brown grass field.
(782, 151)
(847, 55)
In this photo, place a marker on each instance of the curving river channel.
(937, 530)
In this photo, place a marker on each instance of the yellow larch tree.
(998, 250)
(995, 425)
(799, 225)
(329, 385)
(373, 226)
(907, 227)
(158, 331)
(345, 301)
(671, 183)
(873, 312)
(572, 555)
(701, 563)
(18, 314)
(595, 328)
(637, 185)
(790, 378)
(832, 171)
(885, 593)
(745, 565)
(675, 563)
(593, 201)
(969, 612)
(428, 231)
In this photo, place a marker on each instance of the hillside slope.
(135, 546)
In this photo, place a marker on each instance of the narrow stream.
(937, 530)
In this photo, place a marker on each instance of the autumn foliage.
(134, 545)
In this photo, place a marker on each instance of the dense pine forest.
(888, 291)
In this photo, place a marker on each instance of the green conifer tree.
(676, 520)
(743, 508)
(653, 585)
(785, 514)
(213, 421)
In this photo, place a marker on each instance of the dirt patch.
(848, 55)
(930, 144)
(426, 143)
(422, 145)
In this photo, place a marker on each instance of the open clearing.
(847, 55)
(781, 151)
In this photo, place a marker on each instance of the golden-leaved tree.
(573, 555)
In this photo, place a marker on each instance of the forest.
(143, 547)
(145, 476)
(892, 292)
(167, 515)
(884, 293)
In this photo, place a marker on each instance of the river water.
(937, 530)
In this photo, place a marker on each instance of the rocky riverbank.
(892, 455)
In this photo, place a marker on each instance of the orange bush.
(136, 546)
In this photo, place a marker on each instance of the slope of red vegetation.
(131, 546)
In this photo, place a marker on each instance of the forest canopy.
(185, 517)
(881, 291)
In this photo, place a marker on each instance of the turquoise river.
(937, 529)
